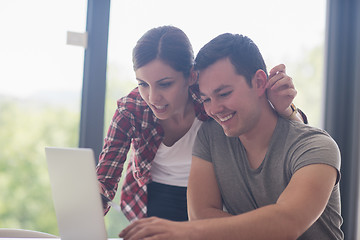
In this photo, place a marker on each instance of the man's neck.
(256, 141)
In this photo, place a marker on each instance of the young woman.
(159, 119)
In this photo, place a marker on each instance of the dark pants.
(167, 201)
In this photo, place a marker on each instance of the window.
(41, 79)
(282, 33)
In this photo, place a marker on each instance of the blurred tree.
(308, 75)
(26, 128)
(119, 84)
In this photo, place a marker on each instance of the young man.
(276, 178)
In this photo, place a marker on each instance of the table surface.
(46, 238)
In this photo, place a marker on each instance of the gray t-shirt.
(292, 146)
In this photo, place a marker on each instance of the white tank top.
(171, 165)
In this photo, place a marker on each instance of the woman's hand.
(281, 90)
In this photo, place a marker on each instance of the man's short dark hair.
(241, 50)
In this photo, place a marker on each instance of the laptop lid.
(75, 192)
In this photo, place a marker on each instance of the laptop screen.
(75, 193)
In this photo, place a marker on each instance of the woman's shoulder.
(198, 105)
(134, 108)
(132, 102)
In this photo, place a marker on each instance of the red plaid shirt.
(133, 124)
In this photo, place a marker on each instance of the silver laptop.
(75, 192)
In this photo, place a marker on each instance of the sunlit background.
(41, 76)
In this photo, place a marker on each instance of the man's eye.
(206, 100)
(225, 94)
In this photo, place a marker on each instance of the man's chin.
(230, 133)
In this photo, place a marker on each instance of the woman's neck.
(178, 125)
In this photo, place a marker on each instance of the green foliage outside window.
(25, 199)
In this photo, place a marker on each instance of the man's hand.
(157, 228)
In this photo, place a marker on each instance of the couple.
(275, 178)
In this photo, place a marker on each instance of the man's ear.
(259, 82)
(194, 75)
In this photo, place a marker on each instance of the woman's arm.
(281, 93)
(113, 156)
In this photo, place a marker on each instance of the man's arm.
(298, 207)
(203, 196)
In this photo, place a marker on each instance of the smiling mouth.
(159, 107)
(223, 119)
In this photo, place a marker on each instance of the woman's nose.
(154, 95)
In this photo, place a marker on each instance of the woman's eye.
(164, 85)
(142, 84)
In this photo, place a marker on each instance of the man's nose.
(215, 107)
